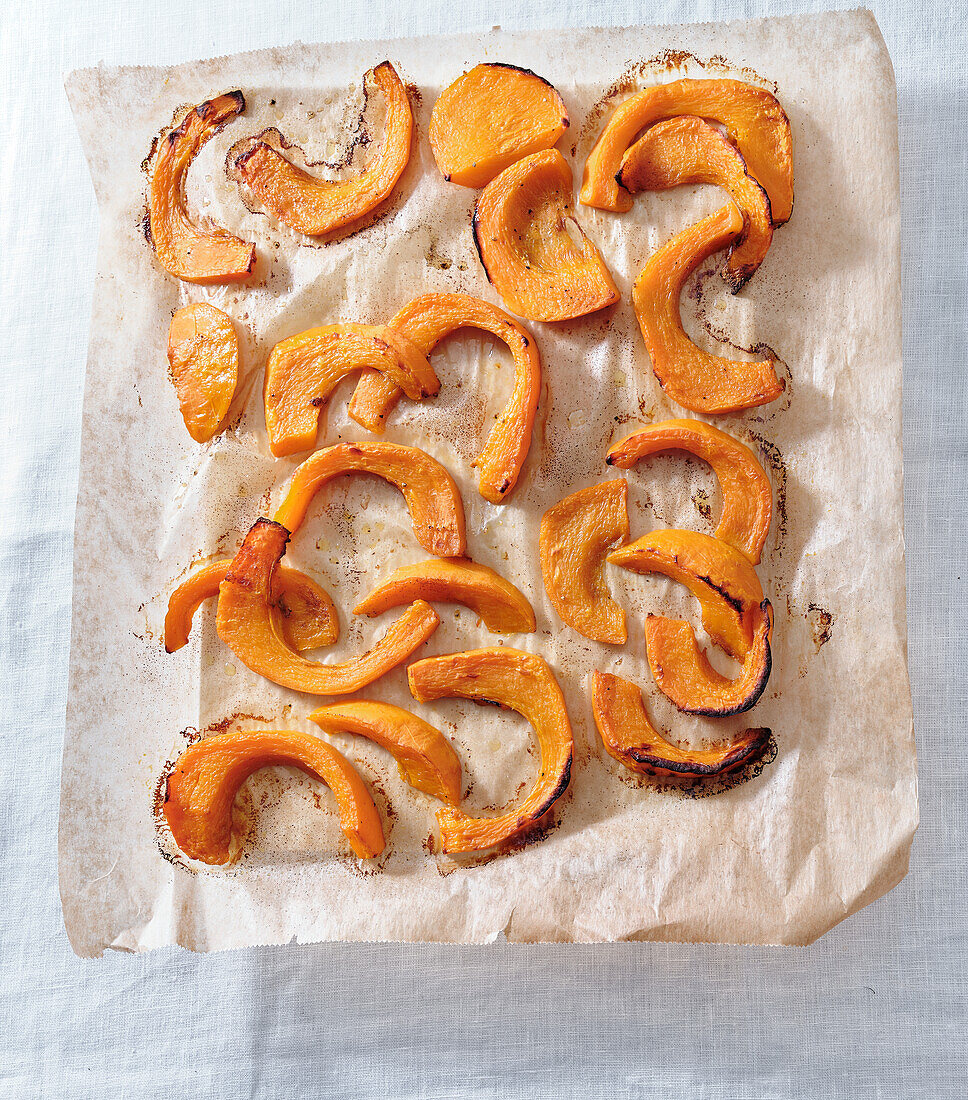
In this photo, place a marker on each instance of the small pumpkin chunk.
(203, 358)
(490, 117)
(522, 682)
(525, 247)
(207, 776)
(184, 249)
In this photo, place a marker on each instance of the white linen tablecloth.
(877, 1008)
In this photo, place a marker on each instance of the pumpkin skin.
(428, 320)
(756, 123)
(203, 360)
(207, 776)
(629, 736)
(321, 207)
(694, 378)
(183, 249)
(532, 262)
(746, 490)
(489, 118)
(522, 682)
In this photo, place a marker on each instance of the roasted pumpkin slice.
(696, 379)
(318, 207)
(432, 496)
(754, 120)
(689, 150)
(426, 758)
(522, 682)
(425, 322)
(308, 618)
(747, 495)
(684, 675)
(719, 576)
(207, 776)
(489, 118)
(503, 608)
(304, 370)
(576, 535)
(248, 625)
(183, 249)
(630, 737)
(525, 247)
(203, 358)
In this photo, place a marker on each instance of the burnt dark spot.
(518, 69)
(821, 624)
(145, 227)
(733, 601)
(476, 229)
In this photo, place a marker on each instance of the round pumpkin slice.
(203, 358)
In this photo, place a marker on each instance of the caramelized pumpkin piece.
(689, 150)
(248, 626)
(576, 535)
(318, 207)
(489, 118)
(203, 357)
(630, 737)
(684, 675)
(502, 607)
(426, 321)
(719, 576)
(524, 245)
(522, 682)
(183, 250)
(747, 495)
(207, 776)
(307, 615)
(433, 498)
(696, 379)
(304, 370)
(426, 759)
(755, 122)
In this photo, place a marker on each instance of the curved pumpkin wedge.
(630, 737)
(317, 207)
(207, 776)
(696, 379)
(426, 758)
(747, 494)
(689, 150)
(754, 120)
(719, 576)
(684, 675)
(522, 682)
(503, 608)
(432, 496)
(576, 534)
(183, 250)
(431, 318)
(247, 624)
(489, 118)
(308, 615)
(523, 242)
(203, 357)
(304, 369)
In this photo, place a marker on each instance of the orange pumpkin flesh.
(630, 737)
(432, 497)
(576, 534)
(696, 379)
(318, 207)
(755, 122)
(426, 759)
(746, 491)
(425, 322)
(308, 615)
(519, 228)
(207, 776)
(684, 675)
(491, 117)
(304, 370)
(185, 251)
(203, 358)
(502, 607)
(247, 625)
(522, 682)
(688, 150)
